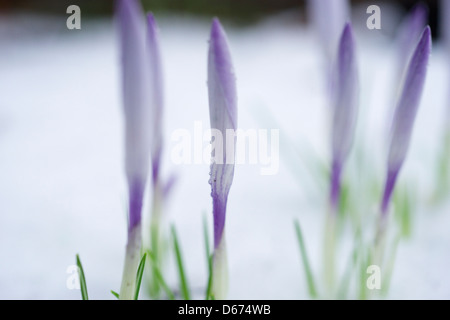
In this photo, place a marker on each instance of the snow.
(62, 187)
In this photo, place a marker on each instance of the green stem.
(139, 273)
(156, 242)
(380, 242)
(329, 254)
(159, 277)
(183, 279)
(219, 285)
(364, 262)
(377, 253)
(208, 258)
(443, 168)
(308, 272)
(83, 287)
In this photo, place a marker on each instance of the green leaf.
(139, 273)
(207, 245)
(159, 277)
(115, 294)
(309, 275)
(344, 200)
(183, 281)
(83, 287)
(403, 210)
(154, 288)
(208, 295)
(365, 261)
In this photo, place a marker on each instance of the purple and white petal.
(136, 95)
(157, 95)
(223, 117)
(408, 36)
(344, 108)
(137, 113)
(405, 112)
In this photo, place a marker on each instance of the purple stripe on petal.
(345, 108)
(136, 195)
(219, 213)
(388, 190)
(169, 184)
(156, 169)
(407, 106)
(223, 117)
(335, 188)
(410, 31)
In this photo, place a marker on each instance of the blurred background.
(239, 11)
(62, 188)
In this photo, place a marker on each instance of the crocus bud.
(344, 108)
(405, 113)
(136, 81)
(156, 92)
(223, 117)
(407, 38)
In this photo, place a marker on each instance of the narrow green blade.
(209, 296)
(139, 273)
(183, 281)
(403, 210)
(207, 245)
(309, 275)
(365, 261)
(155, 247)
(208, 259)
(83, 287)
(160, 278)
(115, 294)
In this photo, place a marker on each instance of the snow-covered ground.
(62, 187)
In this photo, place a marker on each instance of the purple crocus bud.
(328, 17)
(345, 108)
(408, 35)
(223, 117)
(136, 105)
(156, 93)
(405, 113)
